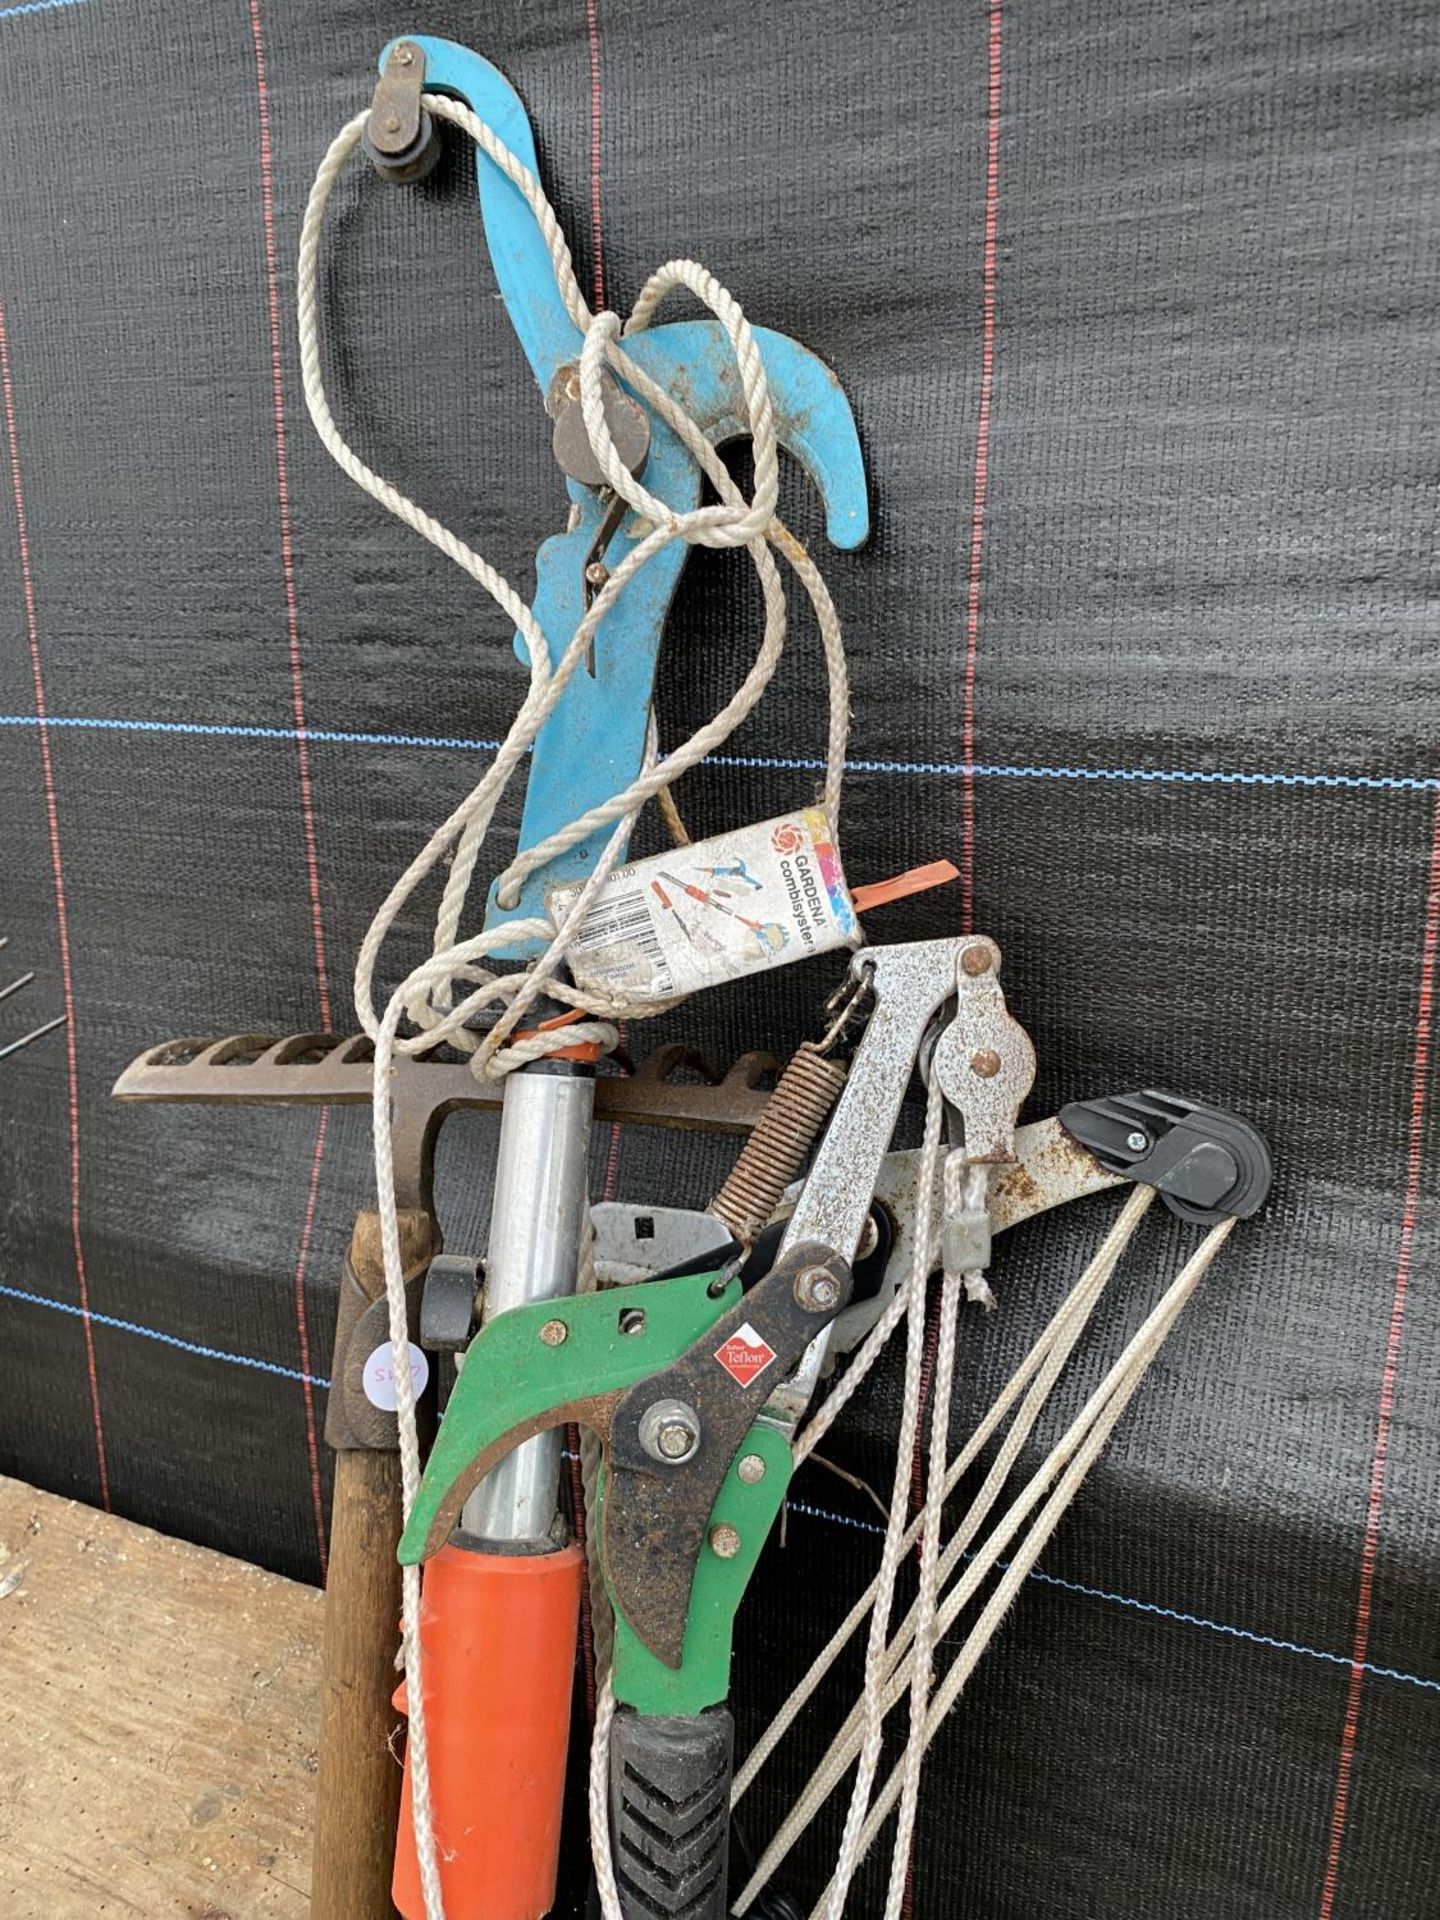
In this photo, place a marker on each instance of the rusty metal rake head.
(673, 1087)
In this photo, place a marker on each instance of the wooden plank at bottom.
(158, 1714)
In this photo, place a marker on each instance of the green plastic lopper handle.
(519, 1378)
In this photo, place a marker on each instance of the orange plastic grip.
(917, 880)
(586, 1050)
(498, 1633)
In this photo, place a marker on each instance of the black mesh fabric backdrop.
(1205, 791)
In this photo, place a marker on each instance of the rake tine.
(26, 1038)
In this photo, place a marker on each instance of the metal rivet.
(391, 123)
(1137, 1141)
(597, 573)
(869, 1238)
(632, 1320)
(404, 56)
(816, 1289)
(751, 1469)
(724, 1542)
(554, 1333)
(669, 1432)
(975, 960)
(985, 1063)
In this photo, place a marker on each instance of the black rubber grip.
(670, 1813)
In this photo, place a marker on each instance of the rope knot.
(438, 1012)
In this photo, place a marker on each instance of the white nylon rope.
(892, 1553)
(1038, 1371)
(892, 1666)
(1071, 1459)
(1076, 1453)
(731, 522)
(425, 996)
(1042, 1365)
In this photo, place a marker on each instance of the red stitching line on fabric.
(62, 916)
(1413, 1173)
(972, 648)
(592, 25)
(297, 700)
(982, 476)
(287, 545)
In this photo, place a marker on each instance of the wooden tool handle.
(361, 1755)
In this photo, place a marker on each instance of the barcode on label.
(615, 922)
(628, 920)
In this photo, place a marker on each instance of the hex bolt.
(724, 1541)
(975, 961)
(670, 1432)
(985, 1063)
(1137, 1141)
(816, 1289)
(554, 1333)
(751, 1469)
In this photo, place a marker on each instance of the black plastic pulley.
(400, 140)
(1207, 1165)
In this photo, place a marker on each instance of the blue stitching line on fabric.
(165, 1339)
(37, 6)
(801, 1507)
(1363, 782)
(1175, 776)
(1152, 1607)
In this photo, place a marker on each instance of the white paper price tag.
(378, 1379)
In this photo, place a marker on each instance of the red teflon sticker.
(745, 1355)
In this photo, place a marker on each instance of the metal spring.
(784, 1134)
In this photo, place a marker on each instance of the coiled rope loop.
(731, 522)
(447, 992)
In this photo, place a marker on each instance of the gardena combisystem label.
(717, 910)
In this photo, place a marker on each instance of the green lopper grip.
(537, 1366)
(541, 1365)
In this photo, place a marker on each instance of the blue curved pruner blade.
(593, 744)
